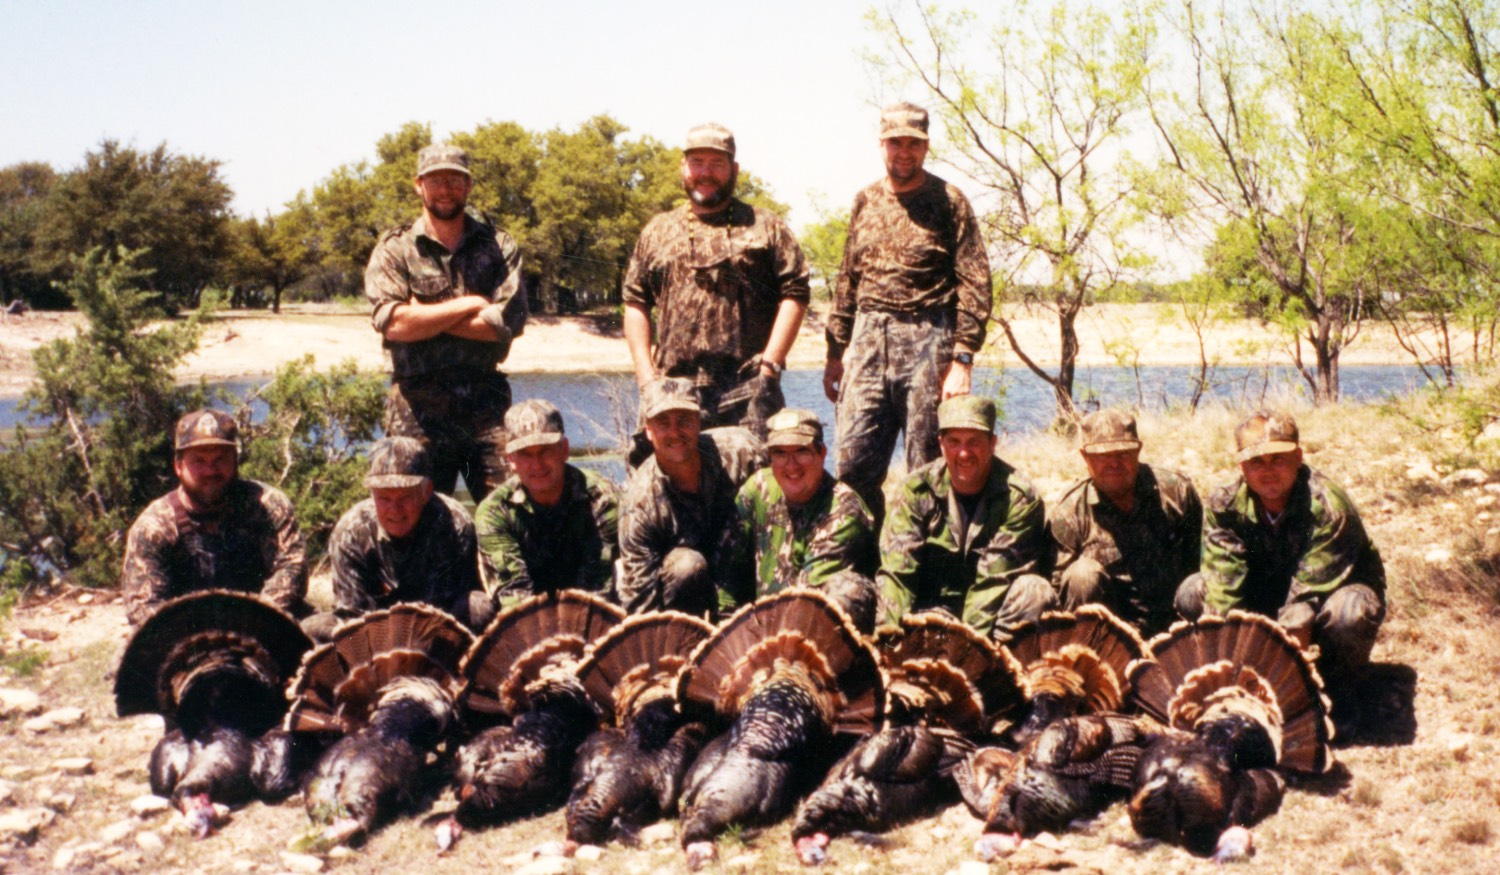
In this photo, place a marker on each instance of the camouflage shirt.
(1316, 546)
(526, 549)
(251, 544)
(435, 563)
(716, 282)
(911, 252)
(773, 546)
(656, 516)
(410, 264)
(1150, 550)
(928, 559)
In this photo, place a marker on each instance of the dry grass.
(1418, 794)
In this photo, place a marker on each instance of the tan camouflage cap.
(794, 427)
(903, 120)
(1108, 431)
(967, 411)
(206, 428)
(1265, 433)
(442, 156)
(668, 393)
(398, 463)
(532, 423)
(710, 135)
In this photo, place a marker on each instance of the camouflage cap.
(1265, 433)
(710, 136)
(398, 463)
(903, 119)
(794, 427)
(967, 411)
(206, 428)
(532, 423)
(1108, 431)
(442, 156)
(668, 393)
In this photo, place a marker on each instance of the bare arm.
(415, 321)
(638, 339)
(784, 330)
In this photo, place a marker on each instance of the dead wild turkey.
(1075, 664)
(214, 665)
(946, 684)
(790, 671)
(1245, 701)
(386, 681)
(631, 770)
(522, 668)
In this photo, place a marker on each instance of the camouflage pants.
(462, 424)
(1086, 582)
(893, 379)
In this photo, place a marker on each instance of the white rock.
(65, 717)
(7, 792)
(86, 598)
(295, 862)
(1492, 487)
(1421, 470)
(23, 825)
(116, 831)
(657, 833)
(75, 766)
(64, 858)
(1047, 840)
(149, 805)
(1491, 433)
(149, 842)
(1486, 500)
(973, 867)
(39, 725)
(19, 773)
(546, 866)
(1467, 477)
(743, 861)
(19, 703)
(588, 853)
(1438, 556)
(62, 803)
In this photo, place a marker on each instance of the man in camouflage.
(909, 310)
(797, 526)
(216, 530)
(678, 503)
(965, 533)
(1128, 534)
(550, 526)
(1285, 541)
(405, 543)
(446, 291)
(728, 285)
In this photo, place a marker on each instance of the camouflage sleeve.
(642, 550)
(349, 557)
(791, 264)
(506, 577)
(740, 452)
(1019, 545)
(1190, 532)
(386, 281)
(1334, 549)
(143, 578)
(1224, 560)
(1067, 526)
(642, 281)
(603, 547)
(971, 274)
(507, 314)
(735, 564)
(907, 523)
(845, 540)
(465, 574)
(845, 288)
(286, 587)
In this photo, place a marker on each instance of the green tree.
(271, 254)
(23, 192)
(823, 244)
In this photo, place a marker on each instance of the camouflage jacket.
(1317, 546)
(1150, 550)
(526, 549)
(656, 516)
(410, 265)
(928, 560)
(715, 282)
(250, 545)
(907, 253)
(773, 546)
(435, 563)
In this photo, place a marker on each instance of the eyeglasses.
(803, 455)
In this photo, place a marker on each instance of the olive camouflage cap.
(668, 393)
(1264, 433)
(206, 428)
(532, 423)
(398, 463)
(967, 411)
(1108, 431)
(442, 156)
(903, 120)
(710, 135)
(793, 427)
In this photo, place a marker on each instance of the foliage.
(308, 445)
(273, 254)
(23, 191)
(97, 445)
(823, 244)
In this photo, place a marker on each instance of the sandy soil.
(253, 343)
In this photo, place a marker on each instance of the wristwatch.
(964, 358)
(776, 369)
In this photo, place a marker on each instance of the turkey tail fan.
(1093, 626)
(546, 629)
(642, 654)
(932, 651)
(1076, 657)
(340, 681)
(1177, 682)
(798, 627)
(206, 634)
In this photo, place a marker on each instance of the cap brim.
(903, 132)
(1111, 446)
(976, 424)
(207, 442)
(436, 167)
(790, 439)
(533, 440)
(666, 406)
(1265, 448)
(394, 481)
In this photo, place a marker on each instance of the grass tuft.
(1473, 832)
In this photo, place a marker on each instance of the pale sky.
(284, 92)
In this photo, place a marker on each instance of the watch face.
(964, 358)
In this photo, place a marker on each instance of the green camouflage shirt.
(251, 544)
(911, 252)
(715, 282)
(1317, 546)
(435, 563)
(774, 546)
(928, 560)
(408, 263)
(527, 549)
(1150, 550)
(656, 516)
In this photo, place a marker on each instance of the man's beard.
(716, 198)
(446, 214)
